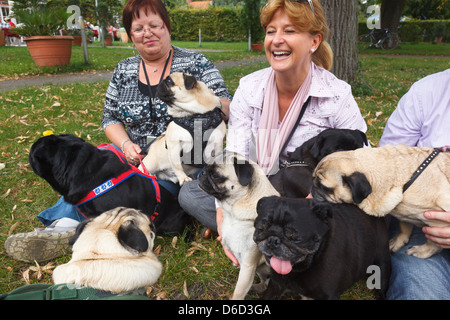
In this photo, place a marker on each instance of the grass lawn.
(192, 270)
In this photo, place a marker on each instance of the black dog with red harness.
(96, 180)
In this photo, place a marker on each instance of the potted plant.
(41, 25)
(108, 39)
(104, 17)
(439, 31)
(76, 34)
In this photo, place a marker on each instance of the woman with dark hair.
(133, 113)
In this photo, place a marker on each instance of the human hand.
(131, 151)
(219, 220)
(439, 235)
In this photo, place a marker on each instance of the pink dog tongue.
(280, 266)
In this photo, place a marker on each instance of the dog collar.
(114, 182)
(299, 163)
(422, 167)
(209, 120)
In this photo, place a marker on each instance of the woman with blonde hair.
(308, 17)
(296, 94)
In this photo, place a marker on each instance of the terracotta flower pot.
(108, 41)
(48, 51)
(257, 46)
(76, 41)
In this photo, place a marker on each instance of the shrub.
(216, 24)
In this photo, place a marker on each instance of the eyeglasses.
(154, 28)
(310, 4)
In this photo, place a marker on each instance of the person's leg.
(61, 209)
(198, 204)
(414, 278)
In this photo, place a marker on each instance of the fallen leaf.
(161, 296)
(194, 269)
(13, 227)
(26, 276)
(185, 290)
(6, 194)
(89, 124)
(174, 241)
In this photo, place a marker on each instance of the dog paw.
(398, 242)
(423, 251)
(184, 180)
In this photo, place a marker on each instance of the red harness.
(113, 182)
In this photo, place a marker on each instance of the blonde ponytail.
(323, 56)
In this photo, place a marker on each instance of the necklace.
(155, 69)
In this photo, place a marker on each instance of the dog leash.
(422, 167)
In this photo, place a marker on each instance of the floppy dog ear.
(131, 236)
(265, 202)
(244, 172)
(359, 185)
(315, 149)
(78, 231)
(189, 81)
(362, 136)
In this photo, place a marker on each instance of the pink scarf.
(271, 138)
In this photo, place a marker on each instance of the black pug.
(319, 250)
(294, 179)
(74, 167)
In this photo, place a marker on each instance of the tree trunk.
(342, 18)
(390, 13)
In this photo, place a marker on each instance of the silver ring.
(132, 159)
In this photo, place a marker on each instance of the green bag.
(67, 291)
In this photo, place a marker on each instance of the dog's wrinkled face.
(184, 93)
(228, 178)
(290, 231)
(116, 233)
(336, 180)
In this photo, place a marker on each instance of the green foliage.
(217, 24)
(417, 30)
(427, 9)
(39, 18)
(251, 19)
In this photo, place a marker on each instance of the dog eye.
(170, 82)
(325, 189)
(292, 235)
(217, 177)
(264, 225)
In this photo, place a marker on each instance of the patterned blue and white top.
(127, 102)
